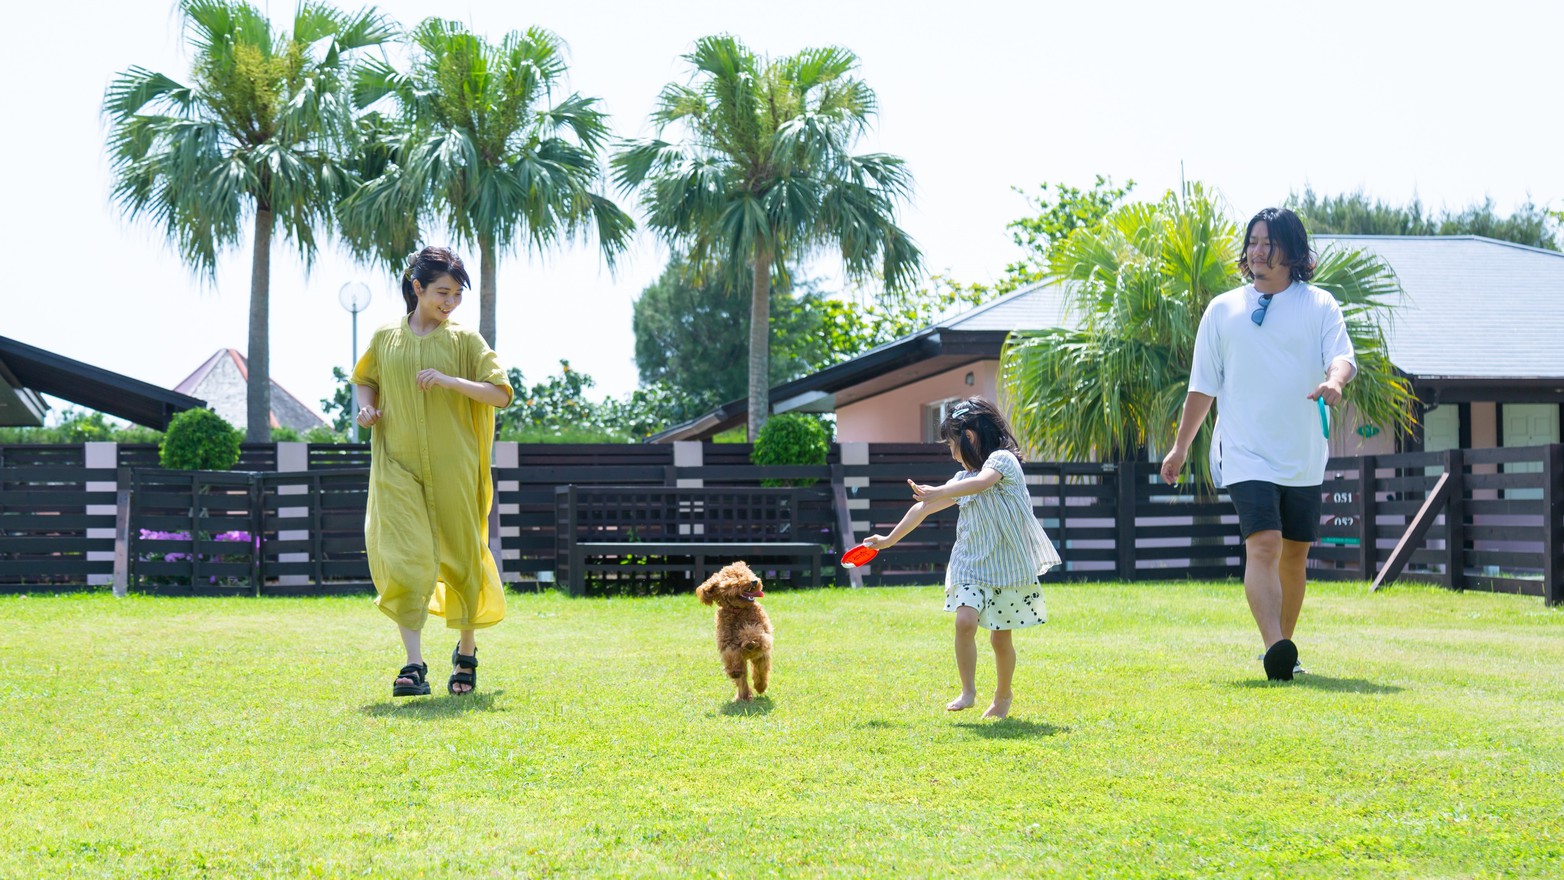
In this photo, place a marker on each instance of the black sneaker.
(1280, 659)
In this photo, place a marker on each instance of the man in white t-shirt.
(1265, 353)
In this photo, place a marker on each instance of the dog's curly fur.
(743, 629)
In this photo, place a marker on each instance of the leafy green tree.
(1527, 224)
(1357, 214)
(764, 177)
(652, 408)
(1140, 282)
(864, 320)
(556, 403)
(693, 333)
(479, 144)
(339, 407)
(81, 426)
(1056, 215)
(256, 135)
(557, 410)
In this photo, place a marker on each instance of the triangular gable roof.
(299, 411)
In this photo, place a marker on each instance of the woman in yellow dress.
(429, 387)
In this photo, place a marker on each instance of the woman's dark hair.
(991, 431)
(1287, 233)
(427, 266)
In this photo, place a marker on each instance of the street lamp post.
(354, 297)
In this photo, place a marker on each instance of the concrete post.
(293, 457)
(505, 456)
(102, 456)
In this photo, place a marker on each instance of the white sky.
(1448, 102)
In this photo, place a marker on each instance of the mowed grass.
(257, 738)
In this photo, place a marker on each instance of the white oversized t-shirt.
(1261, 376)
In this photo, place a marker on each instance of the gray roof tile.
(1474, 307)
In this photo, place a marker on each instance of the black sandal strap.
(418, 672)
(468, 660)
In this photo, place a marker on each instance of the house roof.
(1474, 307)
(29, 369)
(295, 415)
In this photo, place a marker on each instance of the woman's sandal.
(417, 673)
(468, 678)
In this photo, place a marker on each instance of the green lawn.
(244, 738)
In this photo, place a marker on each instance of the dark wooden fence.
(1498, 523)
(57, 518)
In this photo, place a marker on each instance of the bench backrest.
(668, 514)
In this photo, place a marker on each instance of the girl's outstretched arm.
(956, 487)
(910, 521)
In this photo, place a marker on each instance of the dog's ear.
(707, 592)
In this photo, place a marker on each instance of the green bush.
(285, 434)
(326, 435)
(791, 438)
(199, 440)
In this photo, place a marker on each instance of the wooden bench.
(644, 529)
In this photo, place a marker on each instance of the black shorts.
(1292, 510)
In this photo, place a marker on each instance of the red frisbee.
(859, 555)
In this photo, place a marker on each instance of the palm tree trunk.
(760, 345)
(258, 391)
(488, 288)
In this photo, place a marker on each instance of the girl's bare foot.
(998, 709)
(965, 701)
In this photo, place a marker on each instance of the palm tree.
(257, 134)
(477, 145)
(764, 176)
(1139, 283)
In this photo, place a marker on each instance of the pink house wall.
(896, 416)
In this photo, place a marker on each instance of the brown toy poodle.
(743, 629)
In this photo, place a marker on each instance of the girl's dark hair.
(991, 431)
(1287, 233)
(427, 266)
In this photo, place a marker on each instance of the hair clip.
(961, 412)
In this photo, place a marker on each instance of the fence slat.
(1552, 528)
(1455, 522)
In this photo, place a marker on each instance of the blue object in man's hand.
(1324, 416)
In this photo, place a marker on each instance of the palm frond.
(139, 90)
(374, 79)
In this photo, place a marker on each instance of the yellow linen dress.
(426, 526)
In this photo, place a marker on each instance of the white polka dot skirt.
(1000, 607)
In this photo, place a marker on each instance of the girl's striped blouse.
(999, 542)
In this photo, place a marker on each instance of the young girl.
(429, 387)
(1000, 546)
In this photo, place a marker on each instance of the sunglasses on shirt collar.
(1258, 315)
